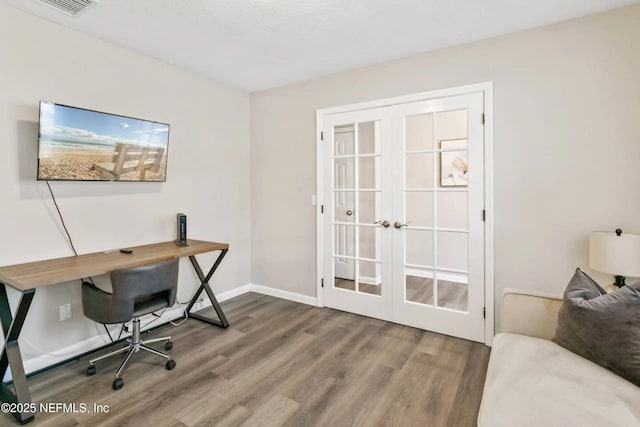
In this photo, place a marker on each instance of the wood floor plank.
(273, 413)
(313, 402)
(296, 370)
(329, 366)
(363, 397)
(405, 399)
(156, 406)
(234, 417)
(469, 394)
(279, 363)
(244, 382)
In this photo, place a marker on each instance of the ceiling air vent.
(70, 7)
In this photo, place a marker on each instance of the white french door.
(402, 229)
(358, 187)
(438, 202)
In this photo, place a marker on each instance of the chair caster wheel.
(118, 383)
(91, 370)
(168, 345)
(170, 364)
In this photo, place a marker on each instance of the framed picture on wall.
(453, 163)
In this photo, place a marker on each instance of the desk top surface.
(39, 274)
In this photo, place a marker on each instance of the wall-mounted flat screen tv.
(76, 144)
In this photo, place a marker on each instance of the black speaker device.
(181, 232)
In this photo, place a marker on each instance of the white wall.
(566, 100)
(207, 178)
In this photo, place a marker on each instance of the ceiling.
(261, 44)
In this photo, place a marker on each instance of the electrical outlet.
(65, 312)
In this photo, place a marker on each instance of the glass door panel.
(343, 140)
(452, 251)
(453, 208)
(344, 246)
(368, 172)
(419, 248)
(369, 243)
(419, 208)
(369, 141)
(343, 203)
(419, 170)
(453, 290)
(419, 132)
(370, 277)
(368, 207)
(344, 168)
(419, 286)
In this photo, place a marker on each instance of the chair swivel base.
(135, 345)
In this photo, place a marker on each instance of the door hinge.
(482, 118)
(322, 135)
(484, 312)
(322, 283)
(484, 215)
(321, 209)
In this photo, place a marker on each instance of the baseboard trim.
(175, 313)
(232, 293)
(279, 293)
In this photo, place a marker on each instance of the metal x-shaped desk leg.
(204, 285)
(11, 357)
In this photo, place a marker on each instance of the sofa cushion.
(604, 328)
(535, 382)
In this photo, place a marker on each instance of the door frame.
(486, 88)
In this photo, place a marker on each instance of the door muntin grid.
(435, 198)
(357, 206)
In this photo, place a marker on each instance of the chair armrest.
(530, 313)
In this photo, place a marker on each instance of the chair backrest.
(150, 285)
(136, 291)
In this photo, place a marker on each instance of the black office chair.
(136, 291)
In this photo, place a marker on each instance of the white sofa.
(532, 381)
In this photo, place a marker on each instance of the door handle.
(384, 223)
(349, 212)
(399, 225)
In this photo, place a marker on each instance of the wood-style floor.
(280, 363)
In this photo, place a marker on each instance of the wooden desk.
(28, 277)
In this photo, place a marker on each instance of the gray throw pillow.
(602, 327)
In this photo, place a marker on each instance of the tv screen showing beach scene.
(84, 145)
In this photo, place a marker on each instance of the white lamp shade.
(618, 255)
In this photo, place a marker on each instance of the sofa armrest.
(530, 313)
